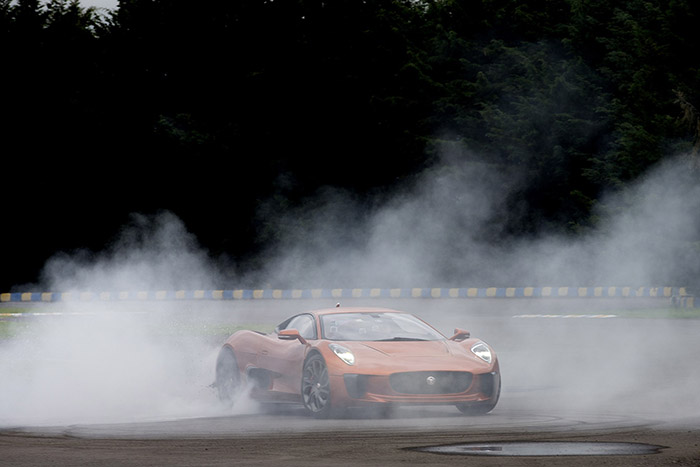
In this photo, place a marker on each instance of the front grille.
(431, 382)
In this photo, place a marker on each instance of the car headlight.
(482, 351)
(343, 353)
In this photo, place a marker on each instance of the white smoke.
(130, 361)
(151, 253)
(116, 361)
(447, 232)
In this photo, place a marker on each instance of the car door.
(283, 358)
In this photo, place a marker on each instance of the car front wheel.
(476, 409)
(481, 408)
(316, 387)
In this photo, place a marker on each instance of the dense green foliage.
(225, 104)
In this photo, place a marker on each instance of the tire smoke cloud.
(448, 231)
(111, 362)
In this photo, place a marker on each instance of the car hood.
(408, 348)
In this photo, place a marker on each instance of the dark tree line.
(206, 108)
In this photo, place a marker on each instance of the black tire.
(228, 377)
(316, 387)
(480, 408)
(386, 411)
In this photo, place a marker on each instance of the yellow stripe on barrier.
(5, 297)
(416, 293)
(258, 293)
(510, 292)
(453, 293)
(337, 293)
(436, 293)
(395, 293)
(491, 292)
(528, 291)
(472, 292)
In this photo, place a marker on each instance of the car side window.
(304, 324)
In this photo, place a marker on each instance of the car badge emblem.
(430, 380)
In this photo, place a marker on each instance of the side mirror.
(290, 335)
(460, 335)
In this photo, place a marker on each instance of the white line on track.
(565, 316)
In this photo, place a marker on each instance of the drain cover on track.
(545, 448)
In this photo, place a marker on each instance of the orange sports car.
(340, 358)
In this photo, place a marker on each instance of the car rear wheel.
(228, 377)
(316, 387)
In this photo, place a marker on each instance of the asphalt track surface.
(574, 370)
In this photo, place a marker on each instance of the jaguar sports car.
(339, 358)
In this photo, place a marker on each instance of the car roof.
(352, 309)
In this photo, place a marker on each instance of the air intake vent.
(431, 382)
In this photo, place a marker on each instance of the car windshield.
(376, 327)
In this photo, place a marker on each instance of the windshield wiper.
(400, 339)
